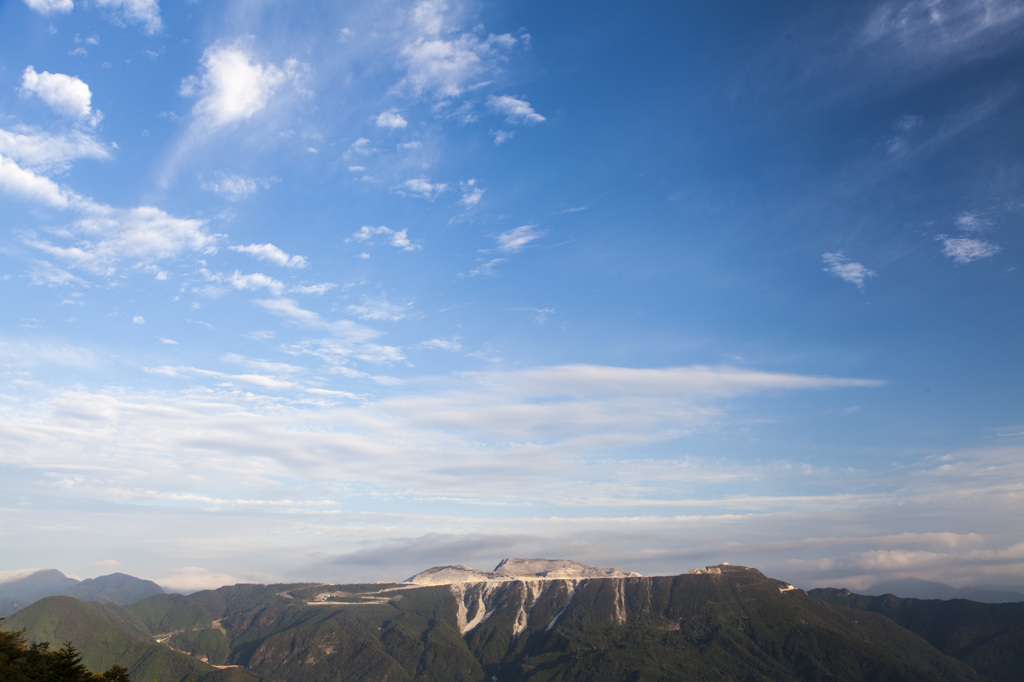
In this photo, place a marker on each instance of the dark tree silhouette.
(22, 662)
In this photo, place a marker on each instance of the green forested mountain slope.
(107, 634)
(989, 637)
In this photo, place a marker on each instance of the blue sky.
(340, 291)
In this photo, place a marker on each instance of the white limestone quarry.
(517, 569)
(479, 593)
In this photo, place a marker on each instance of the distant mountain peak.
(517, 569)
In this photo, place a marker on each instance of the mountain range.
(929, 589)
(25, 587)
(532, 619)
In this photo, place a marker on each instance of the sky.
(339, 291)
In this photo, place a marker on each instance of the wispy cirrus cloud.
(967, 249)
(443, 60)
(972, 221)
(379, 308)
(453, 345)
(344, 329)
(273, 254)
(236, 187)
(145, 12)
(516, 239)
(516, 110)
(48, 153)
(841, 266)
(929, 31)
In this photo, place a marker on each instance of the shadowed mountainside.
(989, 637)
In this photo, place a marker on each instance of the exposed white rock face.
(517, 569)
(550, 569)
(448, 575)
(517, 585)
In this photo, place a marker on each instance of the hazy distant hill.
(916, 588)
(18, 592)
(725, 622)
(118, 588)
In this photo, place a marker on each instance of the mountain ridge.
(516, 569)
(530, 619)
(916, 588)
(24, 588)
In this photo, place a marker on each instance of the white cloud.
(424, 188)
(269, 252)
(471, 193)
(361, 147)
(336, 353)
(26, 184)
(501, 136)
(968, 221)
(226, 440)
(540, 315)
(105, 236)
(347, 330)
(234, 86)
(842, 267)
(447, 66)
(965, 250)
(516, 239)
(145, 12)
(107, 564)
(379, 308)
(515, 110)
(51, 6)
(43, 152)
(236, 187)
(46, 274)
(267, 382)
(391, 119)
(138, 319)
(452, 345)
(21, 353)
(190, 579)
(256, 280)
(486, 268)
(67, 95)
(316, 289)
(397, 238)
(932, 29)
